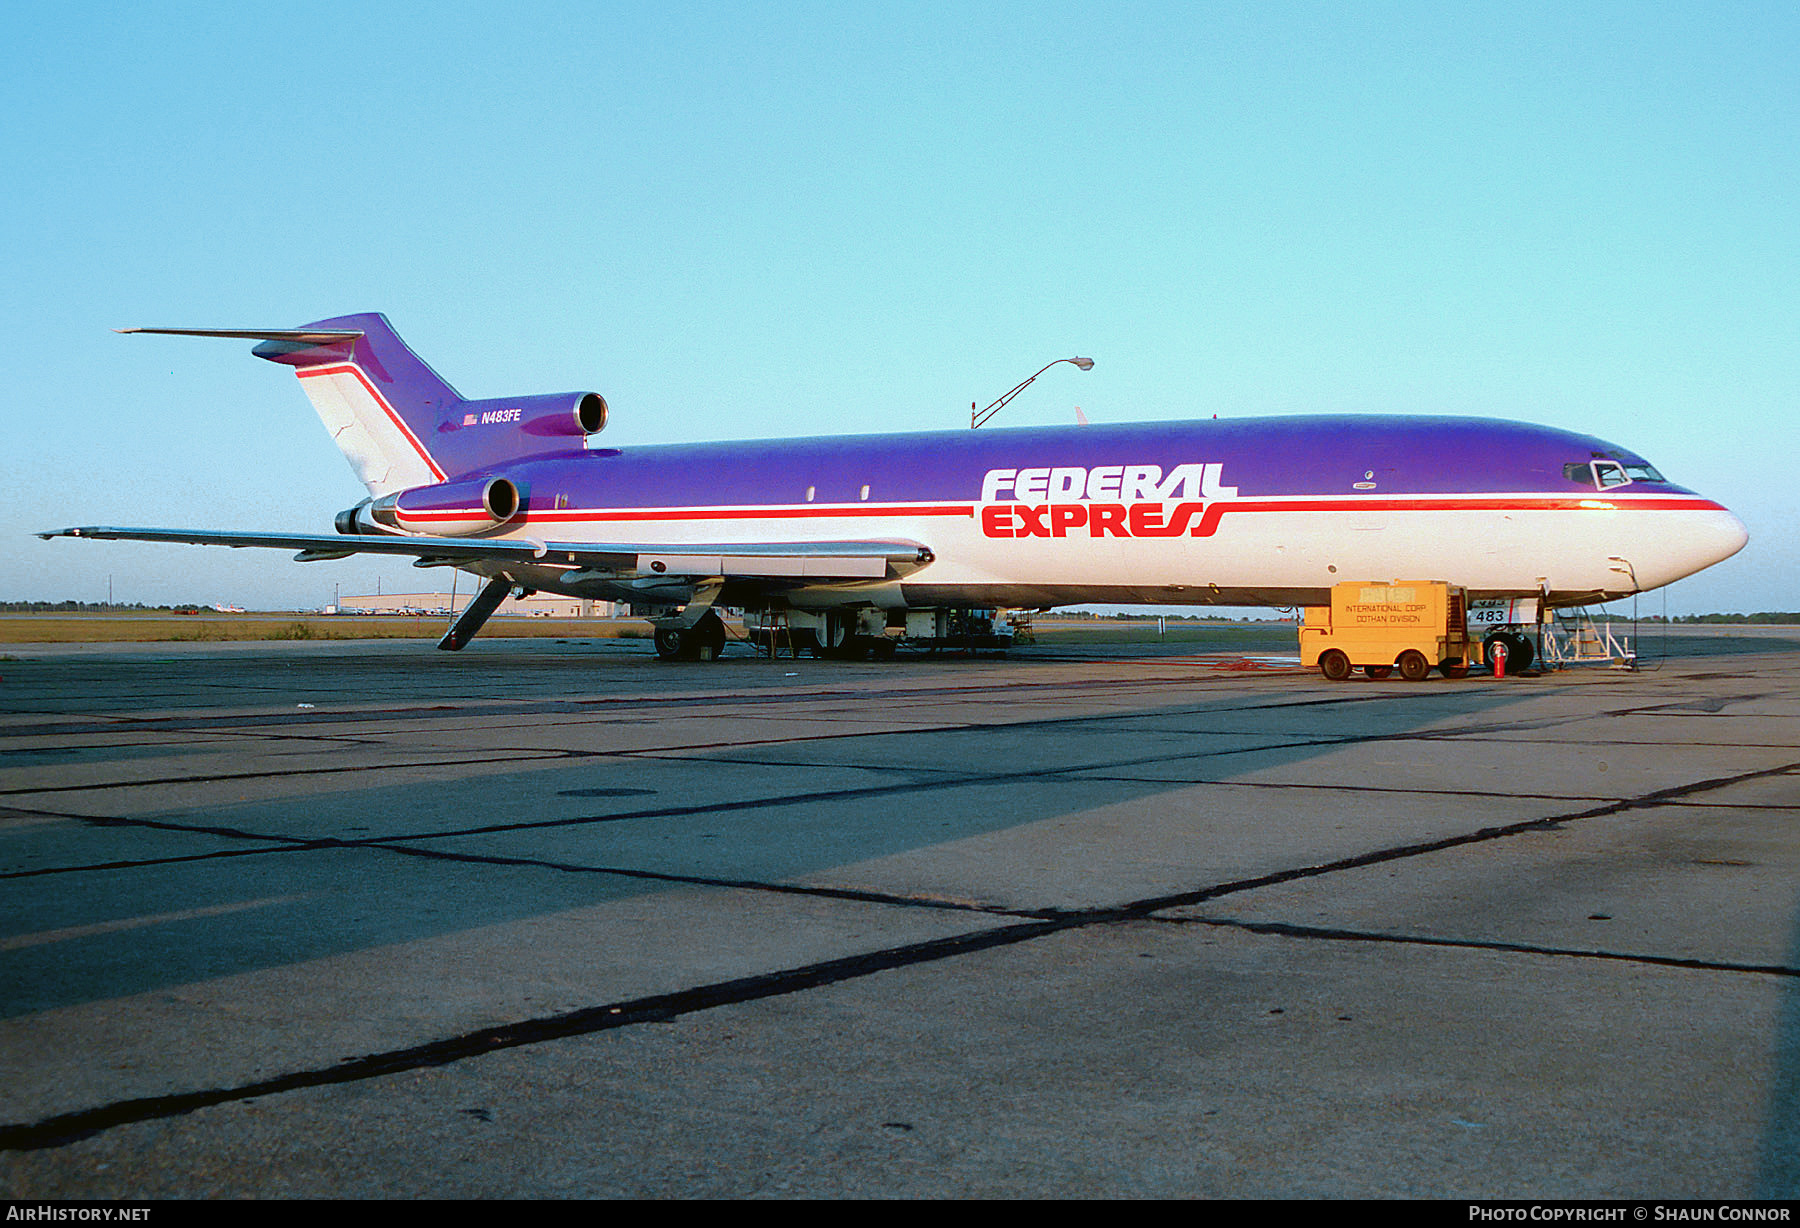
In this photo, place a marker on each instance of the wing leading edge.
(813, 561)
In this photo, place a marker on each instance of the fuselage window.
(810, 492)
(865, 494)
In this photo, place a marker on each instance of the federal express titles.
(1105, 501)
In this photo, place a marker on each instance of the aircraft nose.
(1727, 536)
(1708, 537)
(1675, 544)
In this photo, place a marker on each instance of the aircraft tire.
(1413, 666)
(707, 637)
(1519, 650)
(1334, 665)
(1519, 653)
(703, 641)
(841, 641)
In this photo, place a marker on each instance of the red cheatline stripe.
(1209, 520)
(687, 513)
(351, 369)
(1210, 517)
(1470, 503)
(761, 513)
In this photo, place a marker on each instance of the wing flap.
(861, 564)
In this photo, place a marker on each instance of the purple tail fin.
(395, 419)
(383, 406)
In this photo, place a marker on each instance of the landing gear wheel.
(1413, 666)
(1520, 654)
(842, 643)
(707, 637)
(1518, 651)
(1378, 672)
(1334, 665)
(703, 641)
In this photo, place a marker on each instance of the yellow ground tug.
(1409, 625)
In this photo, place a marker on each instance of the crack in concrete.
(1338, 934)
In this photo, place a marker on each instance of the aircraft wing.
(797, 561)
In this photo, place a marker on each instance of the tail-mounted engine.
(448, 509)
(567, 414)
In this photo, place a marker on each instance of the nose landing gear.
(1508, 652)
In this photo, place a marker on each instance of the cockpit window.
(1606, 474)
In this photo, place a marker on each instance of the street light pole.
(977, 418)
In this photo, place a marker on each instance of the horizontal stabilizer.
(304, 336)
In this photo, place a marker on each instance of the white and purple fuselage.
(1266, 512)
(1247, 512)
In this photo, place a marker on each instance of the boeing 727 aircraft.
(839, 539)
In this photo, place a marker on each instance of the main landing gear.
(703, 641)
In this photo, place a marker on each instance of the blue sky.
(742, 221)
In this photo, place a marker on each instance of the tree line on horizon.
(94, 607)
(1767, 616)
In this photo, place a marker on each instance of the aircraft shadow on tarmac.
(325, 864)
